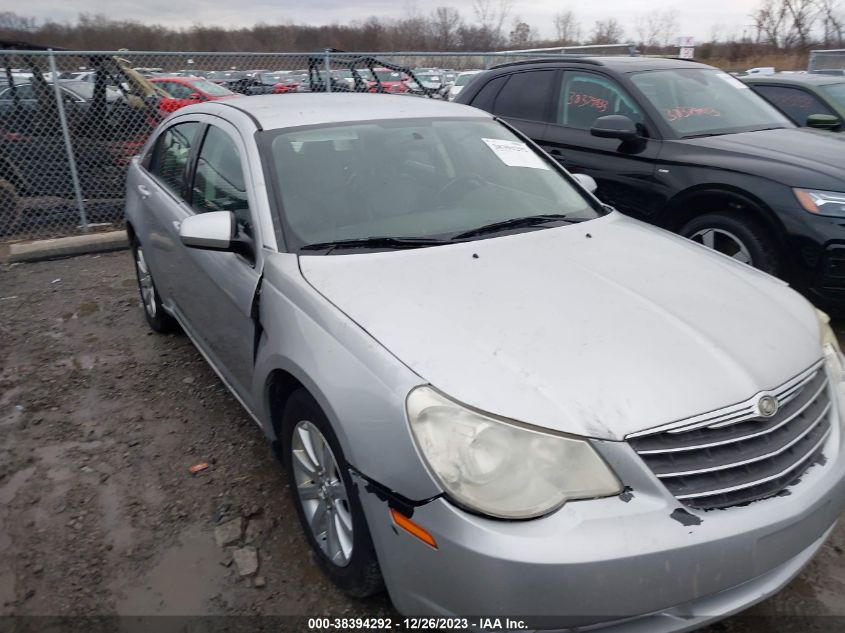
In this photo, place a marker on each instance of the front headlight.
(830, 346)
(500, 468)
(829, 203)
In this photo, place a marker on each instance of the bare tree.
(804, 14)
(491, 16)
(607, 32)
(445, 24)
(658, 28)
(832, 17)
(522, 35)
(772, 24)
(567, 27)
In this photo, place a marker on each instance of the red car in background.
(390, 80)
(185, 91)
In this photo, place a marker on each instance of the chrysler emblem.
(767, 406)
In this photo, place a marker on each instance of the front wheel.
(326, 500)
(738, 237)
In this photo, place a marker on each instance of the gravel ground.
(100, 421)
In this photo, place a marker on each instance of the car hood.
(600, 329)
(797, 157)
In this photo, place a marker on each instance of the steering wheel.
(454, 186)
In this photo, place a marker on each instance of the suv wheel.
(326, 500)
(154, 312)
(737, 237)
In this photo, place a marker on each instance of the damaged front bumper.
(628, 562)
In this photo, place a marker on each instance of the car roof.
(624, 64)
(807, 79)
(177, 78)
(292, 110)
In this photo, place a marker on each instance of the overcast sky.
(696, 18)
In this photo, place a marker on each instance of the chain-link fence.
(830, 62)
(70, 121)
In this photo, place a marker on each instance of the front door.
(624, 172)
(214, 291)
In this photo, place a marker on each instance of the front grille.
(734, 455)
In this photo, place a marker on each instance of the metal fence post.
(328, 71)
(71, 159)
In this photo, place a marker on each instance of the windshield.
(836, 93)
(415, 178)
(463, 80)
(706, 101)
(210, 88)
(429, 79)
(388, 75)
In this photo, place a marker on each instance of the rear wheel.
(326, 500)
(739, 237)
(154, 312)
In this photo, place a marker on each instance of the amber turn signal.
(412, 528)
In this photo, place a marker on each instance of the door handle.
(142, 189)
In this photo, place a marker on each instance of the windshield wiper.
(376, 242)
(514, 223)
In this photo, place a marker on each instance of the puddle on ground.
(14, 484)
(181, 583)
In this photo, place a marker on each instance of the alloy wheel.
(322, 493)
(725, 242)
(145, 281)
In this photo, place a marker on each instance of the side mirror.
(587, 182)
(823, 122)
(195, 96)
(214, 231)
(615, 126)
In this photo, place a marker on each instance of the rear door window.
(585, 97)
(795, 103)
(171, 155)
(526, 96)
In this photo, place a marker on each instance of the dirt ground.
(100, 420)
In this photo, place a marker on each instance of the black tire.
(749, 233)
(360, 576)
(10, 209)
(157, 318)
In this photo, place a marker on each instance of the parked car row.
(492, 392)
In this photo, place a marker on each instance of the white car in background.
(460, 81)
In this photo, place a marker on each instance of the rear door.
(624, 172)
(162, 189)
(523, 99)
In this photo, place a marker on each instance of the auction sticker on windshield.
(515, 153)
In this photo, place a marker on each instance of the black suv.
(691, 149)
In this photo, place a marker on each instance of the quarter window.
(526, 95)
(795, 103)
(173, 149)
(585, 97)
(219, 183)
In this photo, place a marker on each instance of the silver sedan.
(492, 394)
